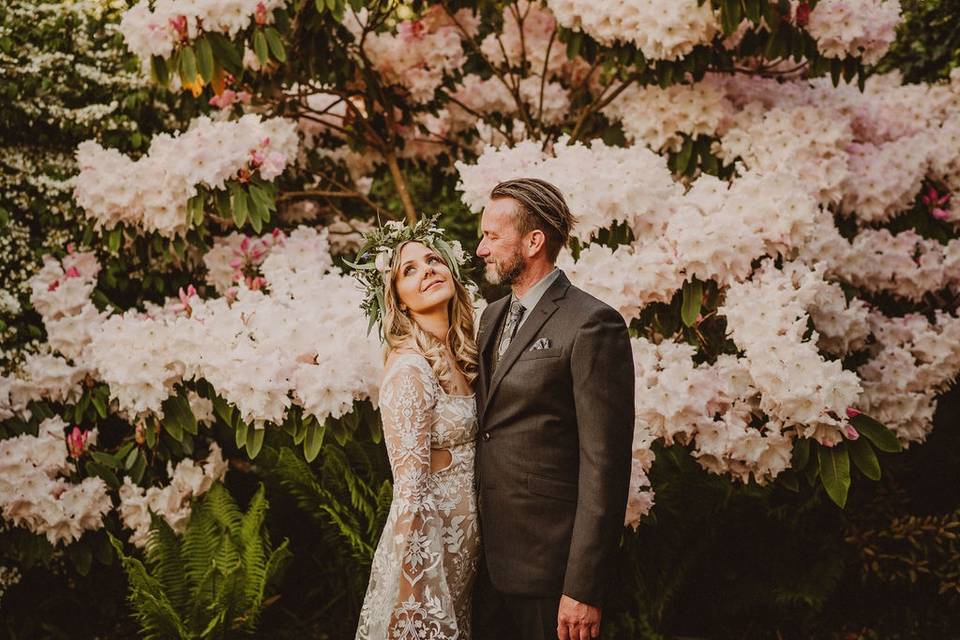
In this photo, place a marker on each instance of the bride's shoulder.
(405, 360)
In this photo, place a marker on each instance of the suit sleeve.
(601, 363)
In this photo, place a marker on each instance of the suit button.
(486, 436)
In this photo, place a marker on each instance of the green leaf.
(188, 65)
(836, 68)
(205, 59)
(882, 438)
(683, 158)
(96, 469)
(753, 10)
(255, 441)
(159, 71)
(136, 474)
(313, 441)
(241, 433)
(238, 201)
(260, 46)
(114, 238)
(276, 44)
(254, 211)
(173, 428)
(151, 435)
(81, 556)
(106, 459)
(801, 453)
(99, 405)
(376, 429)
(730, 16)
(835, 472)
(131, 459)
(574, 44)
(692, 299)
(864, 458)
(226, 52)
(222, 202)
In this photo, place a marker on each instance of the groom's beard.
(507, 272)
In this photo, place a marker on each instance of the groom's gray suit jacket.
(554, 445)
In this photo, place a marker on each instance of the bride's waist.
(452, 457)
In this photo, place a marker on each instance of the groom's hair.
(540, 205)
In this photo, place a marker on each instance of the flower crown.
(376, 254)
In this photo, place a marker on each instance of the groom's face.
(501, 247)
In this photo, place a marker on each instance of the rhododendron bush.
(777, 224)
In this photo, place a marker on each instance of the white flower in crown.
(382, 262)
(457, 251)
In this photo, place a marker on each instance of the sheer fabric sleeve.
(423, 608)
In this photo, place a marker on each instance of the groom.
(555, 409)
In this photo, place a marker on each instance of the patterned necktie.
(510, 327)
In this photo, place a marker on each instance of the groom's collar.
(530, 299)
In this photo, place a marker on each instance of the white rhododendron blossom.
(663, 29)
(862, 29)
(714, 408)
(655, 117)
(914, 360)
(805, 140)
(299, 337)
(34, 493)
(420, 53)
(188, 480)
(798, 386)
(152, 193)
(157, 27)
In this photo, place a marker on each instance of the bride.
(426, 559)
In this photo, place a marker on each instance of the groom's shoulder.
(585, 307)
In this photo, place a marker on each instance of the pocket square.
(541, 343)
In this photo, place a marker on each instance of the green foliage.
(213, 581)
(927, 47)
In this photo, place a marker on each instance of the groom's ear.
(535, 241)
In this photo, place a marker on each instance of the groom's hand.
(577, 620)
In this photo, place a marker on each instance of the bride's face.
(423, 280)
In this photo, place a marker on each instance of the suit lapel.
(496, 312)
(538, 316)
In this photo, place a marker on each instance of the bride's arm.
(408, 398)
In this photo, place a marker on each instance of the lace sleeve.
(423, 608)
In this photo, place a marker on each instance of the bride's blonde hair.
(401, 331)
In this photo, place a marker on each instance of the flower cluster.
(35, 495)
(799, 387)
(172, 502)
(158, 27)
(421, 52)
(914, 360)
(863, 29)
(662, 29)
(152, 193)
(299, 337)
(655, 117)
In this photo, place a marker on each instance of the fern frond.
(223, 507)
(200, 542)
(165, 562)
(152, 609)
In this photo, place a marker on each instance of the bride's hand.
(577, 620)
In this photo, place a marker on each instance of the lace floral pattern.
(425, 562)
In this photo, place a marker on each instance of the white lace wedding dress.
(426, 560)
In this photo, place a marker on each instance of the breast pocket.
(536, 354)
